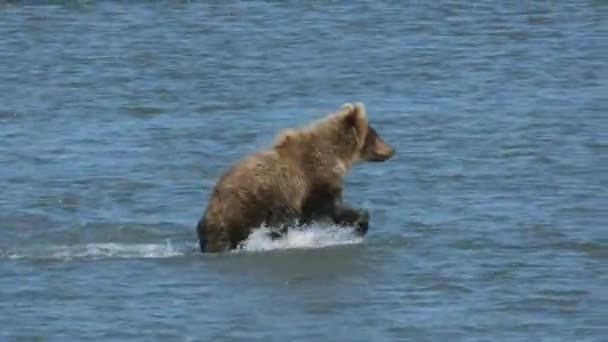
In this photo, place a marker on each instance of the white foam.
(101, 250)
(313, 236)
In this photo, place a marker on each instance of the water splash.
(312, 236)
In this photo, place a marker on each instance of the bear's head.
(342, 138)
(369, 145)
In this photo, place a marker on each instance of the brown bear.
(297, 181)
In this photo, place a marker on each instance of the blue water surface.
(489, 224)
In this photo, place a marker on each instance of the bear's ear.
(284, 138)
(355, 116)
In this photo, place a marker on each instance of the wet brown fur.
(299, 178)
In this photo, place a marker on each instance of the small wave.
(101, 251)
(313, 236)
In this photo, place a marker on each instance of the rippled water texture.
(489, 224)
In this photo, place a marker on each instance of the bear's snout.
(375, 149)
(382, 152)
(386, 152)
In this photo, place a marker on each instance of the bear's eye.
(371, 135)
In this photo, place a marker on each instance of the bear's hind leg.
(202, 235)
(211, 239)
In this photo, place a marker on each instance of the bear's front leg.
(326, 204)
(359, 218)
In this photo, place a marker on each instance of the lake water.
(490, 223)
